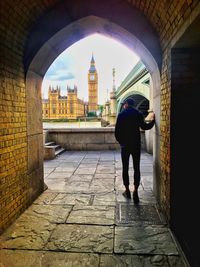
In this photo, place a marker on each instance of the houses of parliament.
(70, 106)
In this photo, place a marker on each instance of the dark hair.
(129, 101)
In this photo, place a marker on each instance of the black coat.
(127, 128)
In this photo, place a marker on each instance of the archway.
(140, 102)
(41, 52)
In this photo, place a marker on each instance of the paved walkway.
(82, 219)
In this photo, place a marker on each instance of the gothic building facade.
(70, 106)
(63, 107)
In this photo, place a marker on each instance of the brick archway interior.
(43, 59)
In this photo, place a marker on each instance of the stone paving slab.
(108, 199)
(20, 258)
(93, 154)
(119, 184)
(71, 199)
(108, 157)
(106, 163)
(85, 171)
(48, 170)
(119, 172)
(56, 184)
(147, 196)
(76, 187)
(120, 261)
(81, 238)
(144, 239)
(147, 182)
(85, 165)
(49, 164)
(23, 258)
(71, 161)
(45, 198)
(90, 161)
(140, 261)
(147, 168)
(29, 235)
(102, 215)
(60, 259)
(52, 213)
(60, 175)
(66, 169)
(104, 176)
(64, 164)
(105, 169)
(80, 177)
(100, 186)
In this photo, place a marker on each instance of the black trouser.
(125, 155)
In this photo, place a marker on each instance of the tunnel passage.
(49, 42)
(24, 22)
(140, 102)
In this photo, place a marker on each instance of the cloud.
(61, 69)
(57, 76)
(71, 66)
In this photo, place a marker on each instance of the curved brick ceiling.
(20, 16)
(118, 12)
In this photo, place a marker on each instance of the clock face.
(91, 77)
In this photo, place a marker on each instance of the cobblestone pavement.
(82, 219)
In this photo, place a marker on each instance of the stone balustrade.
(85, 138)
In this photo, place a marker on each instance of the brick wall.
(13, 145)
(14, 181)
(177, 13)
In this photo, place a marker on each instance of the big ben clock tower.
(92, 87)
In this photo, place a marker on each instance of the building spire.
(92, 65)
(113, 74)
(107, 95)
(92, 59)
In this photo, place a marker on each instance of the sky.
(71, 66)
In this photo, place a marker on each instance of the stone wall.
(86, 138)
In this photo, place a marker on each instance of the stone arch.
(40, 54)
(82, 28)
(139, 99)
(129, 94)
(117, 12)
